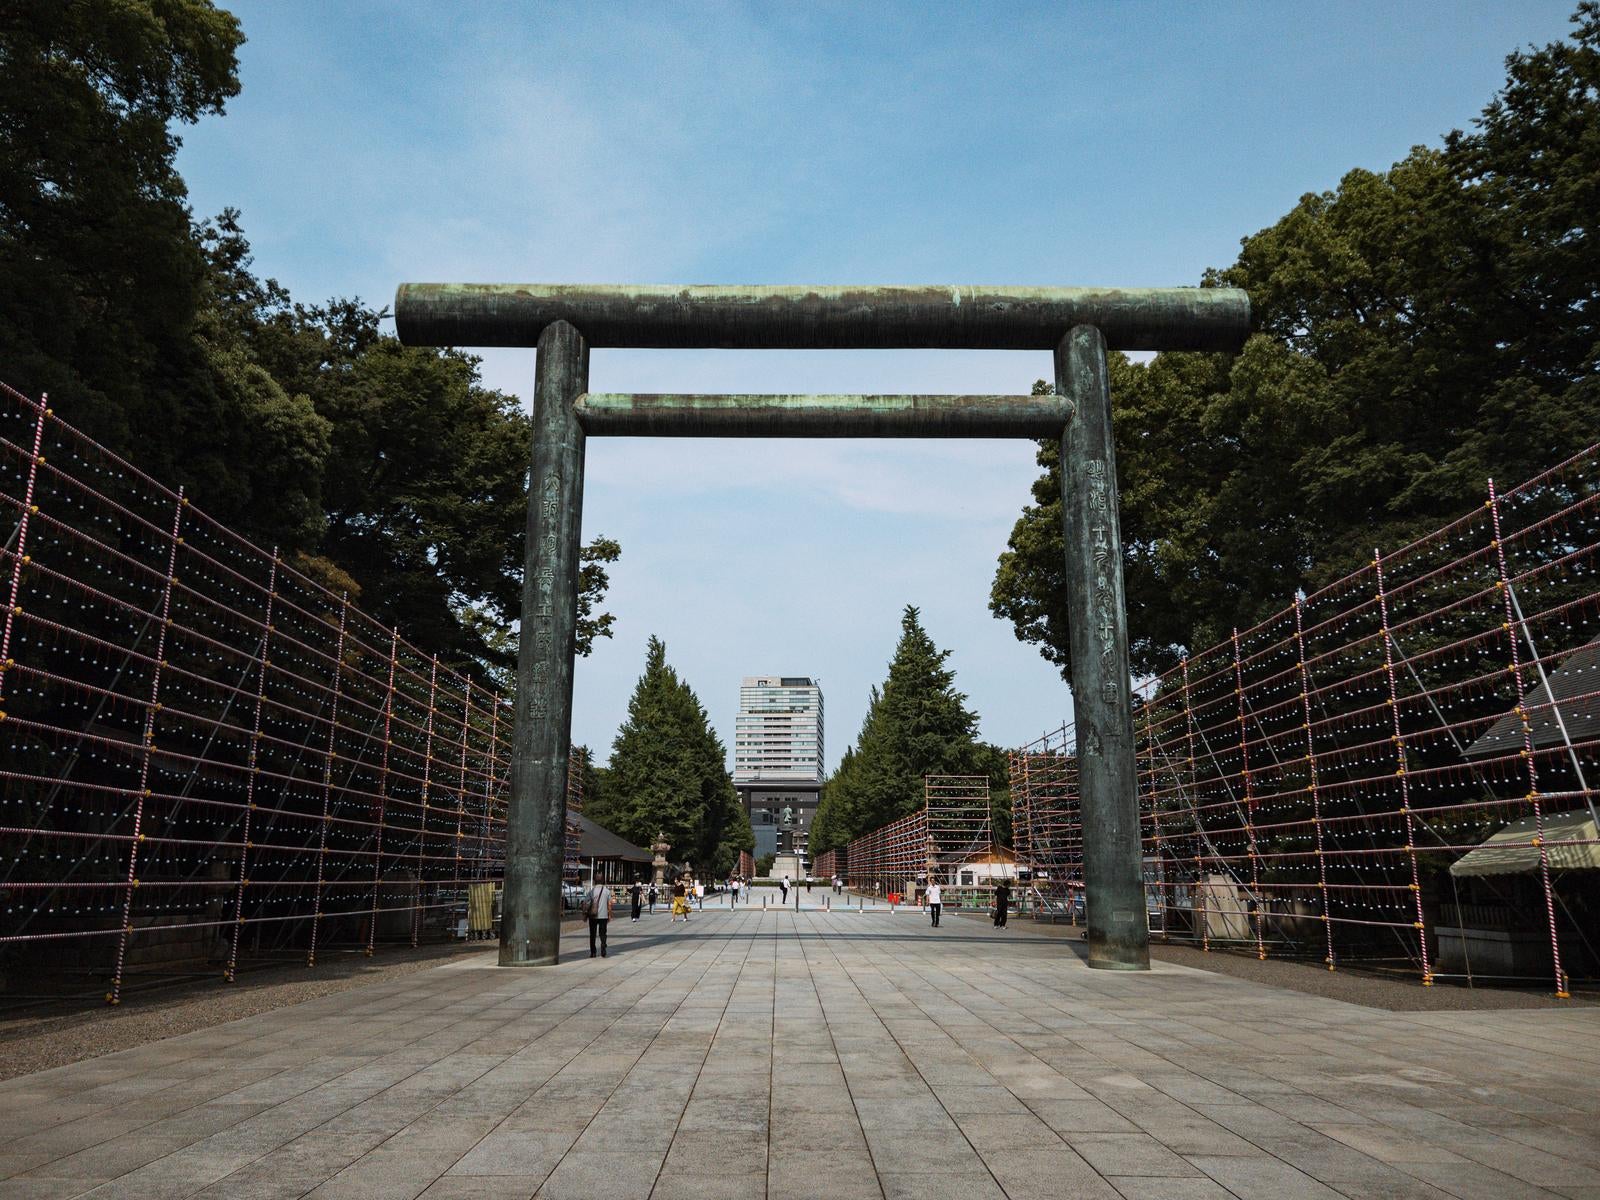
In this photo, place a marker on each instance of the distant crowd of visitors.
(689, 895)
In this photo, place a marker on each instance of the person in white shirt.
(935, 900)
(598, 909)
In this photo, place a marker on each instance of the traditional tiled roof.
(1575, 685)
(596, 841)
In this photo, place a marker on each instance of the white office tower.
(778, 737)
(777, 762)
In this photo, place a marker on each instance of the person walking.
(654, 895)
(699, 894)
(808, 885)
(638, 898)
(935, 899)
(680, 903)
(1002, 904)
(733, 890)
(783, 886)
(598, 909)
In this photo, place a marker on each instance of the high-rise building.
(779, 730)
(777, 759)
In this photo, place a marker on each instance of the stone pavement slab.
(837, 1054)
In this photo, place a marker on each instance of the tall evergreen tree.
(668, 774)
(838, 817)
(588, 782)
(927, 728)
(917, 725)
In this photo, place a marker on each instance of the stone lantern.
(660, 846)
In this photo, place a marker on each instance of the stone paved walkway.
(839, 1056)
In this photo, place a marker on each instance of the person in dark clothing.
(638, 898)
(598, 909)
(653, 896)
(1002, 904)
(784, 885)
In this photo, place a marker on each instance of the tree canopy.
(917, 724)
(379, 469)
(1419, 330)
(668, 774)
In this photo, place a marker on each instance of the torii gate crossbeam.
(1078, 324)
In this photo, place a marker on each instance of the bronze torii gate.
(1078, 324)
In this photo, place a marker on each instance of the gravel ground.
(1354, 985)
(47, 1038)
(1357, 986)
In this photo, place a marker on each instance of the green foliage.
(1533, 165)
(422, 486)
(593, 580)
(1420, 330)
(380, 469)
(598, 795)
(764, 868)
(103, 284)
(589, 791)
(994, 762)
(668, 774)
(917, 725)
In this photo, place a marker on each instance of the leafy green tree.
(668, 774)
(422, 488)
(104, 287)
(1532, 164)
(917, 725)
(378, 469)
(100, 279)
(1420, 330)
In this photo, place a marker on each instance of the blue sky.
(1120, 144)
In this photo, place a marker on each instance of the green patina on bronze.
(920, 416)
(541, 735)
(1102, 705)
(950, 317)
(1078, 324)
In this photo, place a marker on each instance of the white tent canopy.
(1571, 841)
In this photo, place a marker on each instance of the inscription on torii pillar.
(1077, 324)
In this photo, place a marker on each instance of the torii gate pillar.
(1102, 709)
(536, 818)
